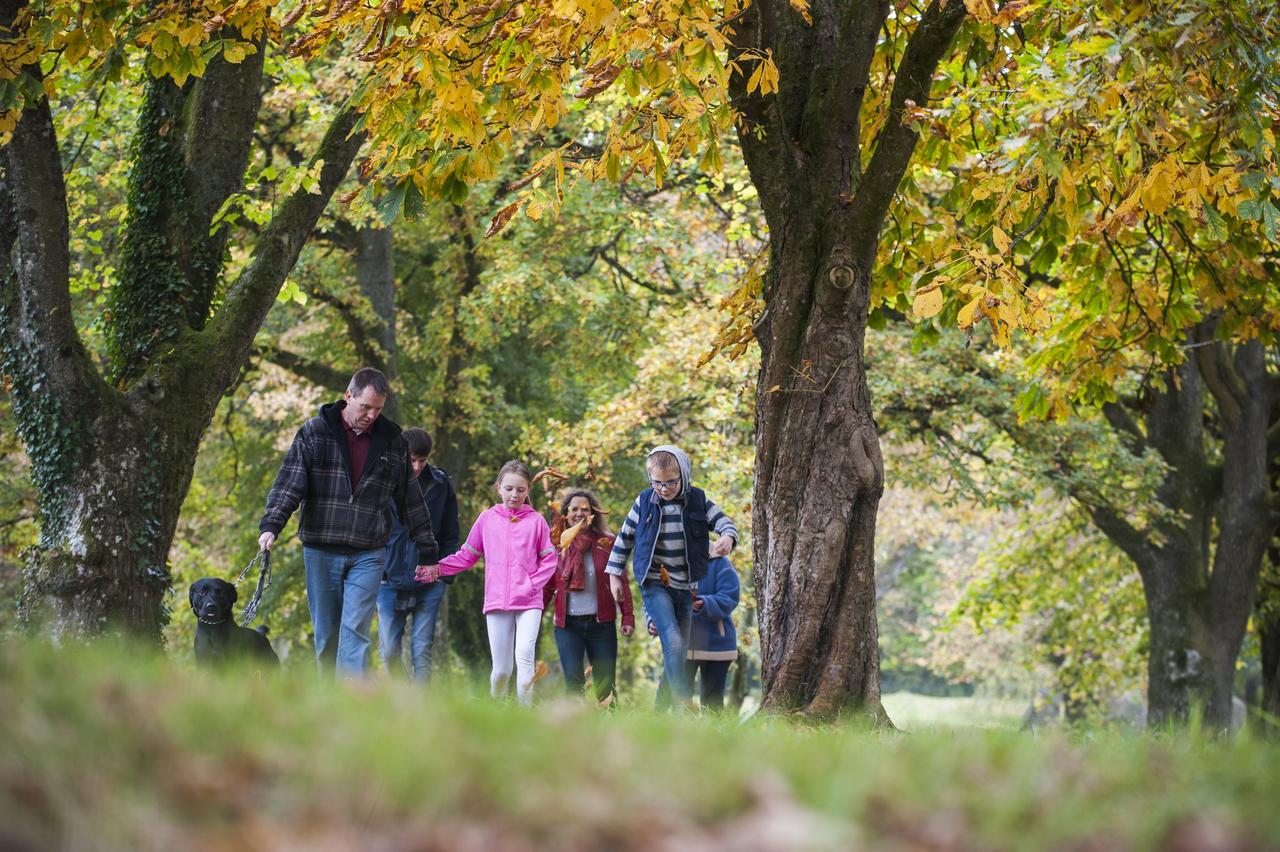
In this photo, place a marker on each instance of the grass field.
(107, 750)
(913, 712)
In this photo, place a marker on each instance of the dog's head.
(211, 599)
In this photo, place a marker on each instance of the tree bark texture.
(113, 463)
(819, 472)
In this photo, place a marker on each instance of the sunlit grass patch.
(912, 711)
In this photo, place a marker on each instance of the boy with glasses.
(668, 528)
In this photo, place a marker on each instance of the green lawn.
(913, 712)
(113, 751)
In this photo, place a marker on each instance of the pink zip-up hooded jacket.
(519, 558)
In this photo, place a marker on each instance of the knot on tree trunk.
(840, 271)
(842, 283)
(1182, 665)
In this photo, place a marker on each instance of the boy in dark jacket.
(344, 467)
(401, 596)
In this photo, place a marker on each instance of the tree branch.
(1125, 426)
(232, 331)
(35, 299)
(630, 276)
(316, 372)
(897, 140)
(1221, 378)
(762, 133)
(219, 137)
(361, 335)
(1122, 534)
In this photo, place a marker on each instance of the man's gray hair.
(368, 377)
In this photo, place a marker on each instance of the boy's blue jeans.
(342, 589)
(671, 611)
(391, 624)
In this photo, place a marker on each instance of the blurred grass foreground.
(102, 750)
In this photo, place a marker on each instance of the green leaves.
(1136, 151)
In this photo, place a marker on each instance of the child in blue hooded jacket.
(667, 534)
(713, 641)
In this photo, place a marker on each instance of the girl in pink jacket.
(519, 559)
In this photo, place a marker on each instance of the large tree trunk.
(1180, 661)
(1198, 616)
(819, 481)
(1238, 382)
(819, 473)
(113, 465)
(102, 561)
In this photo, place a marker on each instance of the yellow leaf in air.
(927, 303)
(539, 671)
(567, 537)
(966, 316)
(802, 6)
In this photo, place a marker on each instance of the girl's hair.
(517, 468)
(597, 514)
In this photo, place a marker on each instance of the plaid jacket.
(315, 475)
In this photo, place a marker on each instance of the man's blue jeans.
(342, 589)
(424, 608)
(671, 611)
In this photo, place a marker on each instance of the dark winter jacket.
(402, 553)
(316, 475)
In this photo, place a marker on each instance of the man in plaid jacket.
(343, 467)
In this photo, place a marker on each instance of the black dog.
(218, 637)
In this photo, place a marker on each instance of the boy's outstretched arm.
(623, 543)
(719, 521)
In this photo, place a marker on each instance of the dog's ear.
(191, 595)
(235, 595)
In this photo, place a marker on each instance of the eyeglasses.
(664, 484)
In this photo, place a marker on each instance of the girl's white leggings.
(512, 636)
